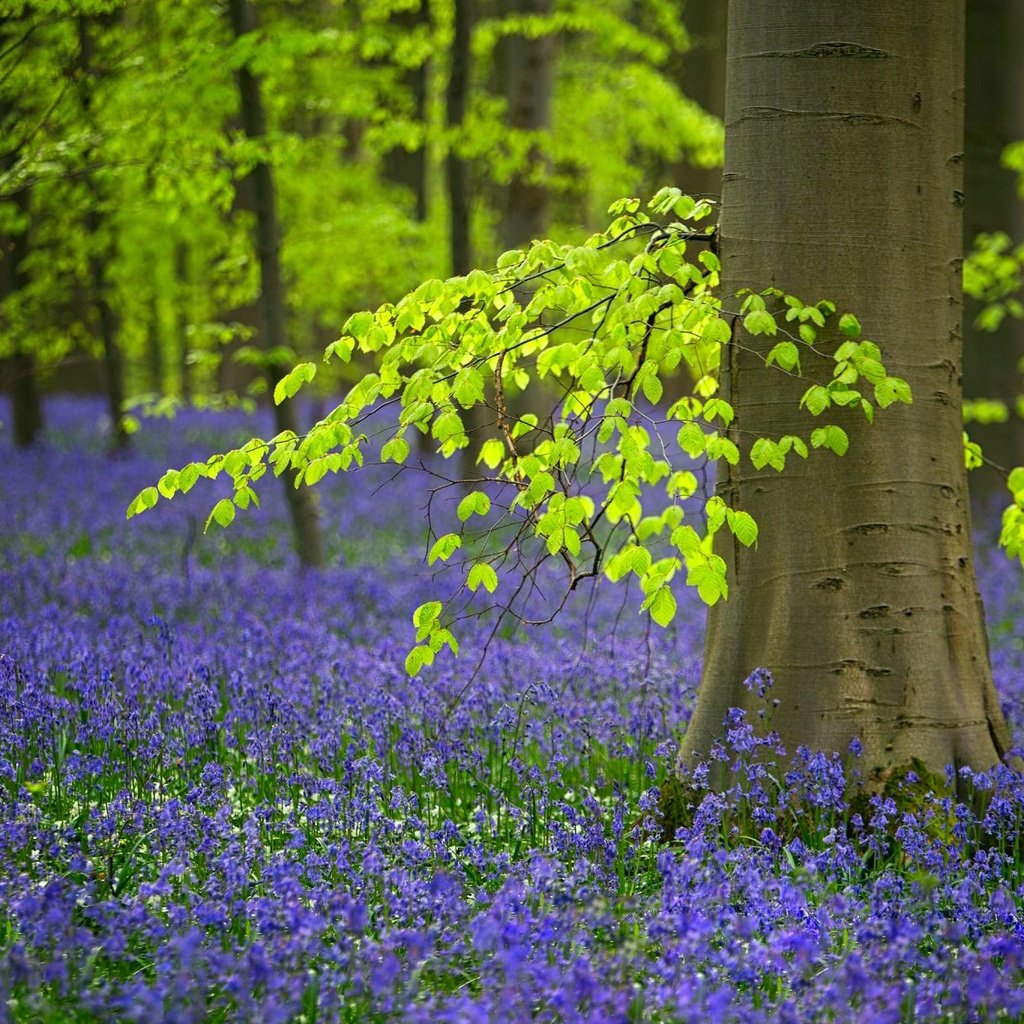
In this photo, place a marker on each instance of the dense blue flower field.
(222, 799)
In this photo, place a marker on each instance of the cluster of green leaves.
(600, 328)
(1011, 536)
(994, 276)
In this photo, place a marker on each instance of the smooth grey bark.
(995, 118)
(301, 502)
(843, 180)
(526, 68)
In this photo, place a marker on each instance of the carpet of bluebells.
(221, 798)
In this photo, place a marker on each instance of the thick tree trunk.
(843, 180)
(301, 501)
(995, 117)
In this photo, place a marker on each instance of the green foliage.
(993, 275)
(593, 486)
(1012, 535)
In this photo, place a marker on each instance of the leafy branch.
(593, 488)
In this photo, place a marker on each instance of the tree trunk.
(183, 318)
(404, 166)
(460, 207)
(26, 404)
(527, 70)
(301, 502)
(113, 362)
(843, 180)
(457, 166)
(995, 117)
(100, 247)
(703, 81)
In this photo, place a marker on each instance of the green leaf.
(832, 437)
(482, 574)
(426, 613)
(760, 321)
(444, 547)
(692, 440)
(652, 388)
(419, 656)
(290, 383)
(223, 514)
(168, 484)
(743, 526)
(849, 325)
(765, 452)
(716, 332)
(973, 458)
(474, 503)
(145, 499)
(816, 399)
(663, 606)
(892, 389)
(358, 324)
(492, 453)
(397, 450)
(786, 355)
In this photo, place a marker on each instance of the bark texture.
(843, 180)
(995, 118)
(301, 502)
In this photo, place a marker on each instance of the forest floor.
(222, 798)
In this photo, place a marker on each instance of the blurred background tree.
(405, 138)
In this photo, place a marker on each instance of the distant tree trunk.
(995, 117)
(527, 71)
(460, 205)
(457, 166)
(703, 81)
(301, 503)
(402, 165)
(100, 248)
(113, 362)
(26, 403)
(154, 348)
(182, 318)
(861, 596)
